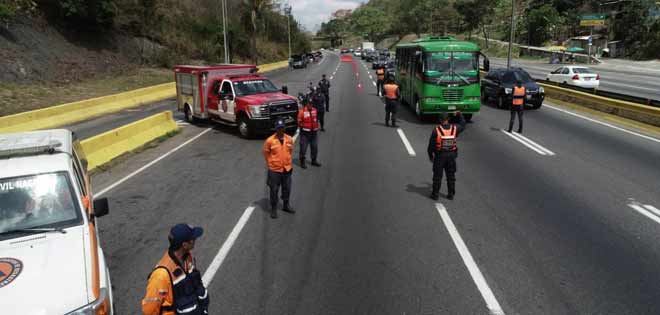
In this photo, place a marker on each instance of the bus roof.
(432, 44)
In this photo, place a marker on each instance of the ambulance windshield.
(250, 87)
(36, 202)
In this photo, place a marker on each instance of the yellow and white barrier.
(107, 146)
(65, 114)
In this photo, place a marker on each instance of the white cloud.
(311, 13)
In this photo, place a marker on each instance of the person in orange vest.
(392, 96)
(277, 151)
(443, 152)
(309, 126)
(380, 75)
(175, 285)
(517, 106)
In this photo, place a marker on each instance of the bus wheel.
(418, 109)
(468, 117)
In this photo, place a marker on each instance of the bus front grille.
(452, 95)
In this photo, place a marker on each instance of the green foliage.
(9, 8)
(88, 12)
(373, 22)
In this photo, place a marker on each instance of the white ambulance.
(51, 260)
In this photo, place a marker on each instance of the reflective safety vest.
(277, 154)
(308, 119)
(519, 96)
(381, 74)
(390, 91)
(446, 138)
(175, 289)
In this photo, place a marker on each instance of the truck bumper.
(467, 107)
(267, 125)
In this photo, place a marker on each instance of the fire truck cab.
(235, 95)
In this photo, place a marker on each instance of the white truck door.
(227, 102)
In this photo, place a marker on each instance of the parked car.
(298, 61)
(498, 86)
(579, 76)
(344, 51)
(357, 53)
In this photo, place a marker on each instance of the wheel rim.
(418, 110)
(243, 128)
(188, 115)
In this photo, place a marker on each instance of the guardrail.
(608, 94)
(107, 146)
(70, 113)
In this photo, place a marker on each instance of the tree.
(255, 9)
(371, 21)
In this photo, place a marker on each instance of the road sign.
(593, 20)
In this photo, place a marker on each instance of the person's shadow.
(424, 190)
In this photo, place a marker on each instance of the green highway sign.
(593, 19)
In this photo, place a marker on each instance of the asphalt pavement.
(628, 81)
(560, 220)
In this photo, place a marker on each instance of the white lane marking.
(478, 278)
(332, 76)
(296, 135)
(226, 246)
(603, 123)
(406, 143)
(523, 142)
(532, 143)
(183, 124)
(374, 83)
(148, 165)
(648, 211)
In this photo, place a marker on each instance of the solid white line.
(603, 123)
(226, 246)
(406, 143)
(523, 142)
(478, 278)
(653, 209)
(532, 143)
(644, 212)
(148, 165)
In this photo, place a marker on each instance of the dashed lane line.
(405, 141)
(478, 278)
(536, 149)
(150, 164)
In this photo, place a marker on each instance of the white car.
(51, 260)
(357, 53)
(579, 76)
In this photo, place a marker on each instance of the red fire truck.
(235, 95)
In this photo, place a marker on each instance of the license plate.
(451, 107)
(587, 79)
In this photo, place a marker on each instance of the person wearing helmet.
(443, 152)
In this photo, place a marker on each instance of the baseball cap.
(279, 124)
(183, 232)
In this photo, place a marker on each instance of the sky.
(311, 13)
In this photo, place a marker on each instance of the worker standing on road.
(309, 126)
(318, 99)
(517, 106)
(324, 84)
(392, 96)
(380, 75)
(443, 152)
(277, 151)
(175, 285)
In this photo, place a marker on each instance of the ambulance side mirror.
(101, 207)
(285, 89)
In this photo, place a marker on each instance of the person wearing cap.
(392, 96)
(443, 152)
(517, 106)
(324, 84)
(277, 151)
(175, 285)
(309, 126)
(318, 99)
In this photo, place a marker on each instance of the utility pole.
(224, 30)
(513, 28)
(287, 10)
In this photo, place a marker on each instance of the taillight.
(597, 77)
(576, 77)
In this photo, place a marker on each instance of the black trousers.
(327, 101)
(308, 138)
(516, 110)
(444, 162)
(391, 107)
(321, 117)
(277, 180)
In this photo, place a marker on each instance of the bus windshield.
(464, 63)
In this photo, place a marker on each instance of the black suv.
(498, 86)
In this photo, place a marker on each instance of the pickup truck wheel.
(244, 128)
(188, 114)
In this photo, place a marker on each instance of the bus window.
(437, 62)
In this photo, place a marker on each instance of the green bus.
(440, 75)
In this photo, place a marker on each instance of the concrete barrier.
(65, 114)
(642, 113)
(107, 146)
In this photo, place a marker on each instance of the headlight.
(99, 307)
(258, 111)
(508, 90)
(541, 90)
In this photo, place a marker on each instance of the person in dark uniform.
(517, 106)
(324, 84)
(392, 96)
(443, 152)
(318, 99)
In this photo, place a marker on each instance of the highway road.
(561, 221)
(643, 83)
